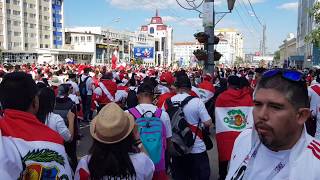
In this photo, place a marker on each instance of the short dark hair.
(146, 88)
(86, 70)
(17, 91)
(295, 92)
(183, 81)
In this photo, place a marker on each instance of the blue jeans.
(191, 167)
(86, 107)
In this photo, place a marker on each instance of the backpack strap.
(186, 100)
(158, 113)
(169, 102)
(134, 111)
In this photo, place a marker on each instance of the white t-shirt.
(142, 164)
(75, 87)
(194, 111)
(74, 98)
(142, 108)
(265, 162)
(88, 84)
(314, 99)
(56, 123)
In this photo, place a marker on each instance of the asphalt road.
(86, 142)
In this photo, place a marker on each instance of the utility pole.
(209, 24)
(264, 41)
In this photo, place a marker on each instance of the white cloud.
(152, 4)
(289, 6)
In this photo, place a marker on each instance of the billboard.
(143, 52)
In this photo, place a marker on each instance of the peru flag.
(233, 114)
(205, 91)
(114, 59)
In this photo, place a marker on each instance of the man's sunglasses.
(286, 73)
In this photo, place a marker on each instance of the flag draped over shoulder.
(30, 149)
(233, 114)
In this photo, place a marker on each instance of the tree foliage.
(314, 36)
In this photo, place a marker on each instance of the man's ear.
(303, 115)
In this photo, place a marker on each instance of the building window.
(16, 12)
(40, 17)
(46, 36)
(26, 45)
(25, 14)
(32, 25)
(89, 38)
(25, 5)
(25, 24)
(9, 22)
(32, 35)
(31, 15)
(76, 39)
(16, 23)
(16, 2)
(9, 33)
(83, 38)
(17, 44)
(45, 9)
(46, 27)
(8, 11)
(32, 6)
(26, 34)
(40, 7)
(41, 45)
(151, 30)
(45, 17)
(17, 33)
(46, 46)
(7, 1)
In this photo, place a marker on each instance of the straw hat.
(112, 124)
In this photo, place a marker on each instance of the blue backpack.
(152, 134)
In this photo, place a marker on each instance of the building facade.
(306, 24)
(235, 42)
(287, 50)
(163, 40)
(29, 25)
(183, 53)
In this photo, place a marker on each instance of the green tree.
(238, 62)
(314, 36)
(276, 57)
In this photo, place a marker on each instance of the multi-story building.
(183, 52)
(97, 45)
(305, 25)
(235, 39)
(163, 40)
(29, 25)
(288, 50)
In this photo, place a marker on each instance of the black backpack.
(83, 87)
(182, 136)
(62, 108)
(132, 99)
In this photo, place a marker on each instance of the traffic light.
(216, 55)
(202, 54)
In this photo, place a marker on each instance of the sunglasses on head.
(286, 73)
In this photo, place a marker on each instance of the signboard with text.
(143, 52)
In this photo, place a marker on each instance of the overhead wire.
(254, 12)
(245, 9)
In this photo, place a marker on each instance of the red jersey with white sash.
(30, 149)
(233, 114)
(105, 92)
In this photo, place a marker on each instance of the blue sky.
(280, 16)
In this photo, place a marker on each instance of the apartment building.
(27, 26)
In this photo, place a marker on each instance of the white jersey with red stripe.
(303, 161)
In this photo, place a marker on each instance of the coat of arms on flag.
(236, 119)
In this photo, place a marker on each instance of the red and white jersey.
(314, 95)
(121, 94)
(205, 91)
(30, 149)
(233, 114)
